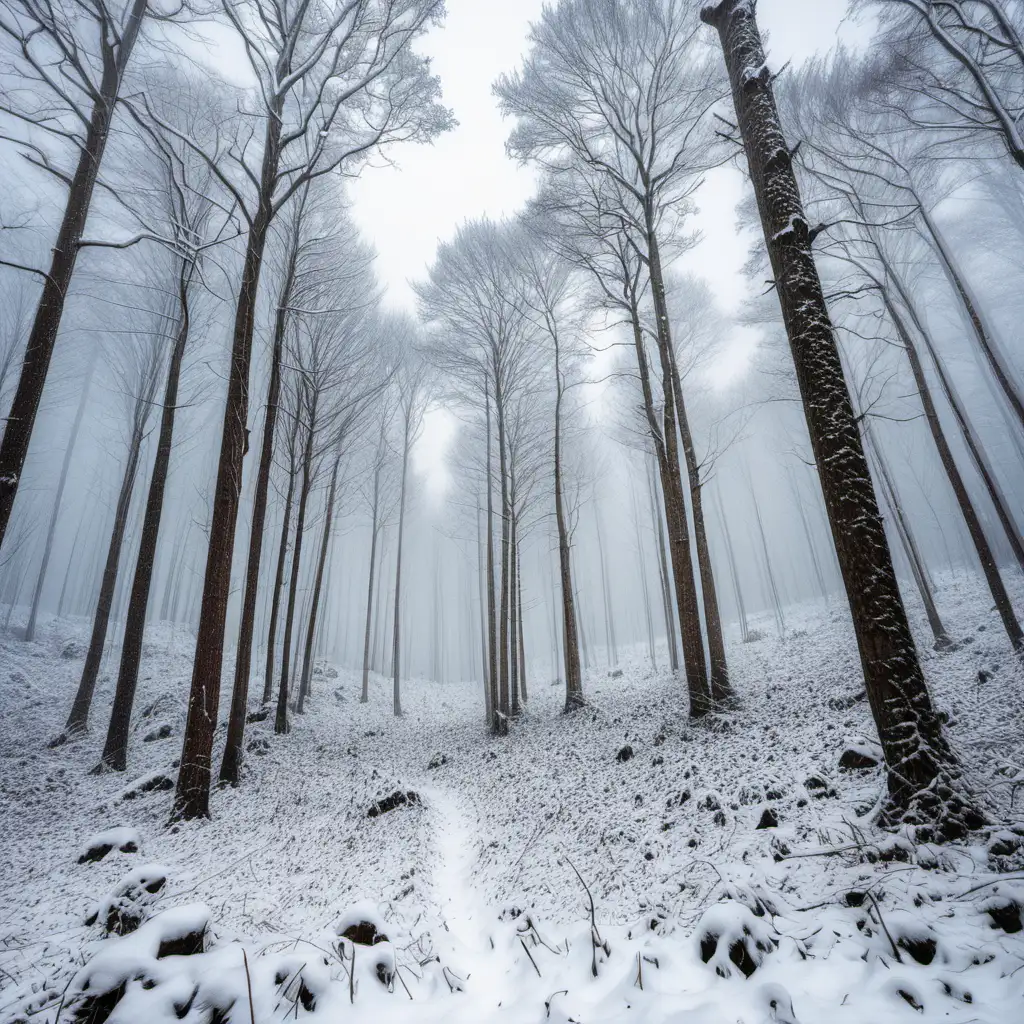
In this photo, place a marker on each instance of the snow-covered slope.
(482, 883)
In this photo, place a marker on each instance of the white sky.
(406, 209)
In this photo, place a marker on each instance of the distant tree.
(138, 375)
(70, 62)
(412, 397)
(336, 84)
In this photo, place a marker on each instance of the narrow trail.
(466, 943)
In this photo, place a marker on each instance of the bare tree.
(75, 57)
(192, 221)
(924, 779)
(621, 92)
(335, 85)
(138, 376)
(961, 62)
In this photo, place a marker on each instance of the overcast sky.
(405, 210)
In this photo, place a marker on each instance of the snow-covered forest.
(616, 618)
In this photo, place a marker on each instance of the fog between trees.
(214, 417)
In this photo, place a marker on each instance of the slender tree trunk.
(396, 636)
(734, 573)
(35, 366)
(653, 500)
(642, 562)
(808, 536)
(78, 720)
(988, 344)
(30, 629)
(281, 725)
(917, 565)
(504, 650)
(925, 786)
(115, 750)
(192, 797)
(282, 561)
(318, 582)
(482, 587)
(667, 452)
(374, 530)
(231, 762)
(974, 448)
(522, 641)
(514, 610)
(67, 571)
(612, 653)
(982, 548)
(492, 632)
(570, 639)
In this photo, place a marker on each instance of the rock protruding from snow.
(124, 910)
(122, 838)
(860, 755)
(731, 936)
(400, 798)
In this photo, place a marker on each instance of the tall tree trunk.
(653, 500)
(982, 548)
(741, 609)
(513, 591)
(115, 750)
(721, 689)
(522, 641)
(192, 796)
(231, 762)
(67, 572)
(903, 529)
(666, 448)
(986, 342)
(924, 779)
(318, 582)
(35, 366)
(612, 653)
(570, 639)
(282, 561)
(396, 663)
(642, 563)
(281, 725)
(504, 651)
(492, 630)
(974, 448)
(30, 629)
(364, 696)
(78, 720)
(482, 587)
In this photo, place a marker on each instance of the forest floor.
(483, 882)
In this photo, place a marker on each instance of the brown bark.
(231, 762)
(282, 561)
(307, 657)
(192, 796)
(925, 786)
(666, 450)
(663, 571)
(281, 725)
(78, 720)
(115, 750)
(35, 366)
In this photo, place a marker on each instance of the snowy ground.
(476, 885)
